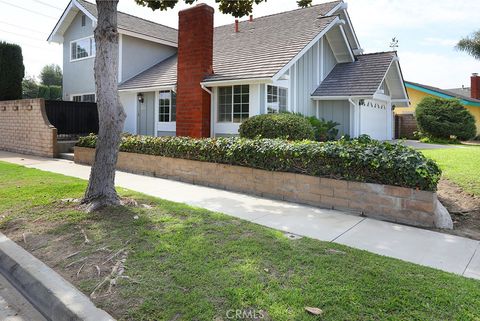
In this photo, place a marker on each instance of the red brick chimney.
(475, 87)
(195, 61)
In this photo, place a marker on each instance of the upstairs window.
(82, 49)
(277, 98)
(167, 106)
(233, 104)
(84, 20)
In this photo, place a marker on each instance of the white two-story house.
(203, 81)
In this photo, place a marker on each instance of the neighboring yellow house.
(417, 92)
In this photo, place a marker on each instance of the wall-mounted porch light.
(140, 98)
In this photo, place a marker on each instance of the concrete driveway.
(418, 145)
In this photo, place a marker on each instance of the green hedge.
(362, 160)
(12, 71)
(284, 125)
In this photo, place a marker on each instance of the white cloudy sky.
(427, 31)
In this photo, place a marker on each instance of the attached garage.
(376, 119)
(367, 88)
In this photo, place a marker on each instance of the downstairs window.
(276, 99)
(167, 106)
(233, 104)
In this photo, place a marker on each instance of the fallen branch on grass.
(117, 272)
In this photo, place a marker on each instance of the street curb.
(49, 293)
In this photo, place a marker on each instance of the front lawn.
(186, 263)
(459, 165)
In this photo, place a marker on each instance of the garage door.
(374, 118)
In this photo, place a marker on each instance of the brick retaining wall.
(24, 128)
(392, 203)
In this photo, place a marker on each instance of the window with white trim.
(167, 106)
(84, 20)
(87, 98)
(82, 49)
(277, 98)
(233, 104)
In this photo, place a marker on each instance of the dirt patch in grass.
(463, 207)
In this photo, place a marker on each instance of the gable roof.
(360, 78)
(259, 50)
(163, 74)
(262, 47)
(443, 93)
(128, 24)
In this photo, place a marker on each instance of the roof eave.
(342, 97)
(58, 38)
(227, 82)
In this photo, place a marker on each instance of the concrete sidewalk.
(442, 251)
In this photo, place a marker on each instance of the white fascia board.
(339, 97)
(340, 6)
(400, 100)
(85, 11)
(396, 61)
(220, 83)
(399, 70)
(146, 37)
(385, 76)
(350, 50)
(306, 48)
(54, 36)
(145, 89)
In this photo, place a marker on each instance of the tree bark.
(101, 186)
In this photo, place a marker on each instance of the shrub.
(444, 118)
(285, 126)
(43, 92)
(12, 71)
(362, 160)
(324, 130)
(55, 92)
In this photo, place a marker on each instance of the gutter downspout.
(212, 124)
(354, 129)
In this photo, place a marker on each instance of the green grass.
(187, 263)
(459, 165)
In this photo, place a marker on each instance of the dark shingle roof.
(453, 94)
(138, 25)
(259, 50)
(262, 47)
(162, 74)
(360, 78)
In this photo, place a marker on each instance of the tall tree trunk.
(101, 186)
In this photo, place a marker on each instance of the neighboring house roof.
(259, 50)
(360, 78)
(464, 91)
(161, 75)
(137, 25)
(466, 100)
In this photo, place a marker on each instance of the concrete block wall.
(391, 203)
(24, 128)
